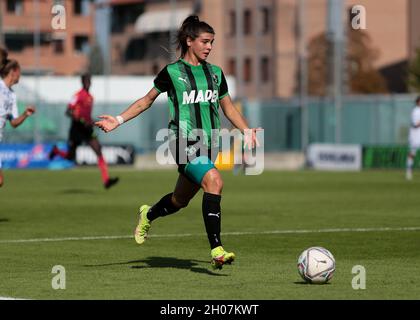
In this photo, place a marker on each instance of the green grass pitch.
(87, 230)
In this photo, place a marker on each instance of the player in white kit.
(413, 139)
(10, 74)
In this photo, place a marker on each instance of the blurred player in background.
(413, 139)
(81, 130)
(10, 74)
(196, 90)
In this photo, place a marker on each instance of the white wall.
(113, 89)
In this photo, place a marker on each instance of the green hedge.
(387, 157)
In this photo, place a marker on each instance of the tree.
(414, 72)
(360, 74)
(317, 67)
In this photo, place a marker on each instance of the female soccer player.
(81, 130)
(195, 91)
(10, 74)
(413, 139)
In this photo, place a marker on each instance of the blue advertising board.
(31, 156)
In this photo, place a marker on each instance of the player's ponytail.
(3, 59)
(191, 28)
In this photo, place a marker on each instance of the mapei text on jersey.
(201, 96)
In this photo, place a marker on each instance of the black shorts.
(80, 132)
(187, 153)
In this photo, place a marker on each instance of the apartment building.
(256, 40)
(26, 23)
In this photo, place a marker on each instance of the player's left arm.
(16, 122)
(233, 115)
(238, 120)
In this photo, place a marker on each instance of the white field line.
(10, 298)
(239, 233)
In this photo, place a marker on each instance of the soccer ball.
(316, 265)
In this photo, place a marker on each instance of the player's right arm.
(109, 123)
(17, 121)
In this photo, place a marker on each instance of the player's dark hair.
(6, 65)
(85, 76)
(191, 28)
(3, 55)
(418, 100)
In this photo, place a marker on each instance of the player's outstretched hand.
(30, 110)
(250, 138)
(108, 123)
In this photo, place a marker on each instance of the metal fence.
(366, 120)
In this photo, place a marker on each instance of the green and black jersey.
(194, 93)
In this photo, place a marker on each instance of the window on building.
(81, 7)
(232, 66)
(265, 69)
(58, 46)
(15, 7)
(19, 41)
(265, 12)
(248, 70)
(136, 49)
(232, 21)
(125, 15)
(81, 44)
(77, 6)
(247, 22)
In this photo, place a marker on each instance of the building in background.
(246, 38)
(145, 44)
(61, 52)
(141, 34)
(256, 40)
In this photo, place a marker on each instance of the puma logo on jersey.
(200, 96)
(182, 79)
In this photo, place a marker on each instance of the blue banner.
(33, 156)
